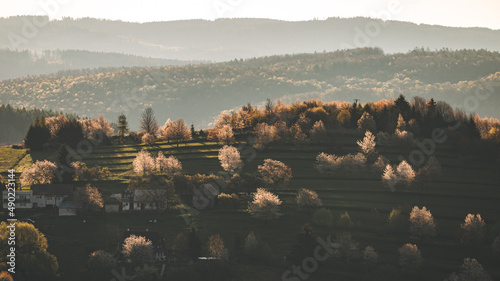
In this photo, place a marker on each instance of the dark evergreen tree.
(194, 244)
(65, 172)
(38, 134)
(70, 133)
(403, 107)
(122, 125)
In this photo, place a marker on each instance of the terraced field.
(465, 186)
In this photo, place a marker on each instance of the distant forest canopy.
(467, 79)
(226, 39)
(29, 63)
(16, 121)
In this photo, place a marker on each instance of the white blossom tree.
(422, 222)
(138, 249)
(265, 205)
(389, 177)
(89, 198)
(165, 130)
(42, 172)
(55, 123)
(308, 198)
(275, 173)
(168, 165)
(225, 135)
(251, 242)
(368, 143)
(179, 131)
(326, 163)
(230, 159)
(143, 163)
(471, 270)
(380, 164)
(410, 258)
(148, 138)
(403, 175)
(405, 172)
(96, 128)
(473, 228)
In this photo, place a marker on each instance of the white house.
(40, 195)
(50, 195)
(136, 200)
(23, 199)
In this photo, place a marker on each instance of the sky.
(463, 13)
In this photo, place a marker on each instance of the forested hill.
(16, 64)
(468, 79)
(16, 121)
(226, 39)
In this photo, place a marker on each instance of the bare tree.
(148, 122)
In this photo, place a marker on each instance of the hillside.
(25, 63)
(466, 186)
(466, 79)
(226, 39)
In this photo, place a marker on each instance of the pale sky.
(466, 13)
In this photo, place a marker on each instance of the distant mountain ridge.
(16, 64)
(198, 93)
(226, 39)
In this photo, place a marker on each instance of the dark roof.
(112, 200)
(153, 236)
(52, 189)
(68, 205)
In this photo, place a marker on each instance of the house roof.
(52, 189)
(153, 236)
(68, 205)
(113, 199)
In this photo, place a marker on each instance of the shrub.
(101, 261)
(370, 257)
(422, 222)
(322, 217)
(345, 220)
(410, 258)
(473, 228)
(228, 201)
(308, 198)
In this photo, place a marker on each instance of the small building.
(22, 199)
(68, 208)
(50, 195)
(155, 238)
(136, 200)
(113, 204)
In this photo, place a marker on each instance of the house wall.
(67, 212)
(23, 199)
(113, 208)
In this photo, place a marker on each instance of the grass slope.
(466, 186)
